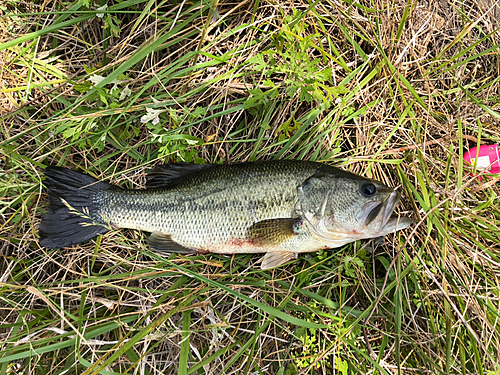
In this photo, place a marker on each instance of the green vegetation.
(115, 88)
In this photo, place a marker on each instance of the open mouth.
(379, 213)
(374, 219)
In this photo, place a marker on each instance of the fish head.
(343, 207)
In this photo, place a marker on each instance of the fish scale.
(195, 221)
(280, 208)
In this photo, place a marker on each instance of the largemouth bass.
(280, 208)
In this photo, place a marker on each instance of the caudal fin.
(72, 214)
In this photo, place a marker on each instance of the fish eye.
(368, 189)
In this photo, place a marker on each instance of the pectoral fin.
(163, 242)
(277, 258)
(274, 232)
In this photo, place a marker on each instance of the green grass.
(363, 85)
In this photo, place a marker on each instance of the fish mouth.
(376, 215)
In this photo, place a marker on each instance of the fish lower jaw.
(393, 225)
(340, 239)
(337, 240)
(326, 239)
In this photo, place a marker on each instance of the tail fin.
(71, 217)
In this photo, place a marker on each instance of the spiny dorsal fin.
(273, 232)
(164, 175)
(277, 258)
(163, 242)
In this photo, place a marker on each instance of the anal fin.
(163, 242)
(277, 258)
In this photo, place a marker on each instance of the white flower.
(152, 115)
(125, 92)
(157, 137)
(95, 79)
(104, 7)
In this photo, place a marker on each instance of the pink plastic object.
(488, 159)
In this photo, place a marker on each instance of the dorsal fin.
(164, 175)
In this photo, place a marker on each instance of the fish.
(280, 208)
